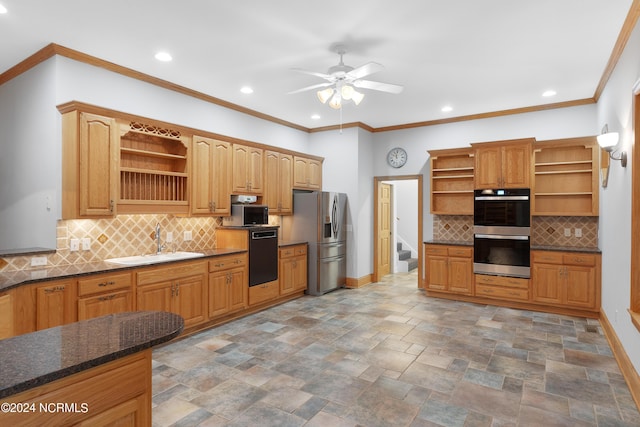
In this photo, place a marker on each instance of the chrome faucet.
(160, 246)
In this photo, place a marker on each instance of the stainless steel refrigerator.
(319, 218)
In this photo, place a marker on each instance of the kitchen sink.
(155, 258)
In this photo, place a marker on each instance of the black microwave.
(245, 215)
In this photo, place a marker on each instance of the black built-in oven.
(501, 243)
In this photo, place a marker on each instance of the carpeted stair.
(405, 262)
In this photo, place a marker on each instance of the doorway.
(381, 240)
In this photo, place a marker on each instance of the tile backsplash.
(124, 235)
(545, 230)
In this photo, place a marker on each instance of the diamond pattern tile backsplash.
(124, 235)
(545, 230)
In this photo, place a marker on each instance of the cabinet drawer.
(509, 282)
(290, 251)
(501, 292)
(263, 292)
(546, 257)
(227, 262)
(460, 252)
(435, 250)
(579, 259)
(157, 274)
(103, 283)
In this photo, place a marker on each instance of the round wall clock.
(397, 157)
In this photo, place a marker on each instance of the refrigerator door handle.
(334, 216)
(334, 259)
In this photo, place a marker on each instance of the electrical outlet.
(567, 232)
(188, 236)
(578, 232)
(169, 237)
(38, 261)
(86, 244)
(74, 245)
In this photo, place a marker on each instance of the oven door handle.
(501, 198)
(500, 237)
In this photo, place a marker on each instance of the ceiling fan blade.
(313, 73)
(365, 70)
(384, 87)
(304, 89)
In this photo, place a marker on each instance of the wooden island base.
(115, 393)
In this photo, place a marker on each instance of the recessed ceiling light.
(163, 56)
(447, 108)
(246, 89)
(3, 9)
(315, 116)
(548, 93)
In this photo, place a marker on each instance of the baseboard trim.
(624, 363)
(354, 283)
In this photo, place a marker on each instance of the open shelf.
(452, 173)
(565, 178)
(153, 166)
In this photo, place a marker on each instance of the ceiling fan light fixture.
(357, 97)
(336, 101)
(325, 94)
(347, 92)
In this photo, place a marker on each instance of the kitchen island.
(96, 371)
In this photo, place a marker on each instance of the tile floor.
(387, 355)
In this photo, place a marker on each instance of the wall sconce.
(608, 142)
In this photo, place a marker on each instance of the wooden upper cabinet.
(503, 164)
(278, 182)
(89, 165)
(452, 181)
(247, 169)
(211, 169)
(307, 173)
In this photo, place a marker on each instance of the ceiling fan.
(343, 80)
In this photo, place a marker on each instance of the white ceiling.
(477, 56)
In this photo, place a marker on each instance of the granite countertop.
(450, 242)
(284, 243)
(31, 360)
(13, 279)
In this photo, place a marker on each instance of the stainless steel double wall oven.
(502, 224)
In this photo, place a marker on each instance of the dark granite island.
(93, 372)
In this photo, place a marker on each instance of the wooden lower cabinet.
(292, 269)
(566, 279)
(263, 292)
(7, 320)
(504, 288)
(449, 269)
(117, 393)
(55, 304)
(228, 284)
(180, 289)
(104, 294)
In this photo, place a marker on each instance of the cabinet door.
(285, 180)
(222, 175)
(156, 296)
(255, 170)
(460, 275)
(98, 165)
(488, 173)
(240, 169)
(516, 164)
(6, 315)
(101, 305)
(272, 181)
(314, 174)
(436, 272)
(55, 304)
(133, 412)
(300, 172)
(202, 175)
(547, 283)
(218, 293)
(286, 276)
(300, 273)
(580, 286)
(189, 299)
(238, 289)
